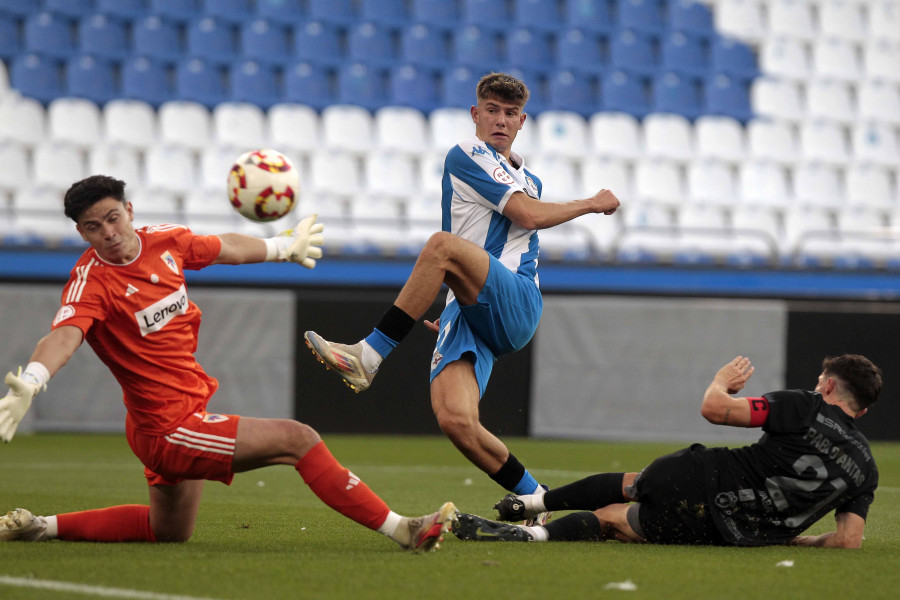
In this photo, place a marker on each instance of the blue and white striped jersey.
(477, 183)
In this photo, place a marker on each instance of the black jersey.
(811, 460)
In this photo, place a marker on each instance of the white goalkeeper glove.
(302, 244)
(16, 403)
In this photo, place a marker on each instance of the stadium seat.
(318, 43)
(572, 92)
(647, 214)
(212, 40)
(435, 13)
(772, 140)
(658, 181)
(537, 83)
(836, 59)
(538, 15)
(823, 141)
(793, 18)
(733, 58)
(309, 84)
(102, 37)
(580, 50)
(239, 125)
(215, 166)
(130, 123)
(361, 85)
(817, 184)
(592, 15)
(528, 49)
(37, 77)
(186, 124)
(10, 44)
(22, 120)
(156, 205)
(606, 173)
(199, 81)
(691, 16)
(879, 101)
(70, 8)
(832, 101)
(777, 99)
(869, 185)
(290, 12)
(348, 128)
(881, 60)
(763, 220)
(392, 13)
(155, 38)
(123, 9)
(413, 87)
(458, 89)
(616, 134)
(170, 169)
(449, 126)
(233, 11)
(294, 127)
(559, 178)
(477, 47)
(251, 81)
(711, 182)
(424, 45)
(785, 57)
(489, 14)
(74, 121)
(50, 35)
(145, 80)
(431, 172)
(371, 44)
(684, 53)
(121, 162)
(87, 77)
(678, 94)
(402, 130)
(668, 136)
(181, 11)
(335, 172)
(562, 133)
(740, 19)
(339, 12)
(876, 143)
(57, 165)
(763, 182)
(802, 223)
(621, 91)
(701, 216)
(39, 218)
(641, 15)
(720, 138)
(527, 142)
(843, 20)
(389, 174)
(633, 51)
(884, 21)
(15, 168)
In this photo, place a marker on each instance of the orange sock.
(340, 489)
(126, 523)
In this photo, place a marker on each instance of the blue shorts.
(502, 320)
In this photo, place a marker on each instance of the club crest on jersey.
(502, 176)
(66, 311)
(213, 418)
(532, 188)
(157, 315)
(170, 261)
(436, 359)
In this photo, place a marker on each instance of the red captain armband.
(759, 411)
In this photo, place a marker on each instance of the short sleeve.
(473, 169)
(197, 251)
(790, 410)
(859, 505)
(83, 300)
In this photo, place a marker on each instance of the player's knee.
(300, 438)
(457, 426)
(438, 247)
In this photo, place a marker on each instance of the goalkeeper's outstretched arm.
(302, 245)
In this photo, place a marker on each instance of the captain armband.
(759, 411)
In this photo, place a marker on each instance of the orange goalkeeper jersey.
(138, 319)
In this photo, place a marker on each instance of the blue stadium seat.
(642, 15)
(181, 11)
(424, 45)
(528, 50)
(125, 9)
(487, 14)
(17, 7)
(157, 38)
(101, 36)
(574, 92)
(413, 87)
(633, 51)
(537, 86)
(458, 89)
(212, 39)
(50, 35)
(691, 16)
(281, 11)
(477, 47)
(265, 41)
(361, 85)
(678, 94)
(580, 50)
(372, 44)
(147, 80)
(253, 82)
(10, 45)
(385, 12)
(309, 84)
(70, 8)
(37, 77)
(237, 12)
(317, 42)
(593, 15)
(540, 15)
(728, 96)
(685, 53)
(625, 92)
(339, 12)
(87, 77)
(199, 81)
(437, 13)
(733, 57)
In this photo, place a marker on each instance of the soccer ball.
(263, 185)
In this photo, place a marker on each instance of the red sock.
(340, 489)
(127, 523)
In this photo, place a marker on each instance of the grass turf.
(269, 537)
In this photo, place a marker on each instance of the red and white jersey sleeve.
(139, 320)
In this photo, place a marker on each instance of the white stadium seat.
(818, 185)
(792, 18)
(155, 205)
(836, 59)
(74, 121)
(884, 20)
(448, 127)
(658, 181)
(764, 182)
(390, 174)
(348, 127)
(15, 168)
(558, 176)
(742, 19)
(784, 57)
(842, 19)
(869, 185)
(183, 123)
(240, 125)
(117, 160)
(879, 101)
(616, 135)
(668, 136)
(294, 127)
(875, 142)
(776, 98)
(431, 172)
(22, 120)
(129, 122)
(772, 140)
(830, 100)
(711, 182)
(881, 58)
(721, 138)
(58, 165)
(823, 141)
(606, 173)
(401, 129)
(701, 216)
(170, 169)
(335, 172)
(561, 132)
(803, 222)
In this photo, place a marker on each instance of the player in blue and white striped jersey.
(487, 254)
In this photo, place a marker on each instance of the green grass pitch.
(269, 537)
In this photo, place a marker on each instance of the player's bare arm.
(529, 213)
(239, 249)
(849, 533)
(56, 348)
(719, 406)
(302, 245)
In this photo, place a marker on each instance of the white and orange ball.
(263, 185)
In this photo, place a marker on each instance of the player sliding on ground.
(126, 296)
(811, 460)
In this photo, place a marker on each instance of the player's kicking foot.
(426, 532)
(478, 529)
(345, 360)
(21, 525)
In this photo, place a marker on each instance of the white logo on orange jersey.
(63, 313)
(157, 315)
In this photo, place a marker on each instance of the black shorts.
(671, 503)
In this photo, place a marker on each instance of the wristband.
(36, 372)
(276, 248)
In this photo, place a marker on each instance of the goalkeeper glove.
(16, 402)
(302, 244)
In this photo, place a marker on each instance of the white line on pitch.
(90, 590)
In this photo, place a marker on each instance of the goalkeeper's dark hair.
(85, 193)
(502, 87)
(859, 374)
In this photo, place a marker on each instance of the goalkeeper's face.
(107, 226)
